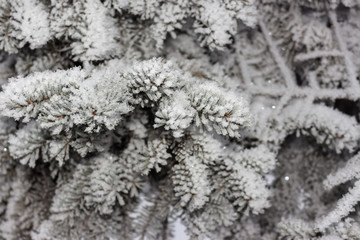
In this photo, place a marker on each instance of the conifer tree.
(129, 119)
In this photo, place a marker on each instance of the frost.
(23, 22)
(175, 114)
(223, 112)
(190, 183)
(239, 118)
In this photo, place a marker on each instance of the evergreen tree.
(123, 119)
